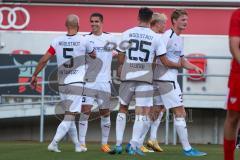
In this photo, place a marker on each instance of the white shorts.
(143, 93)
(167, 93)
(71, 97)
(99, 91)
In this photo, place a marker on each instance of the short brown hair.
(97, 15)
(177, 13)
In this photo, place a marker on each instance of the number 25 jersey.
(144, 45)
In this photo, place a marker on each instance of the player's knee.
(180, 114)
(84, 117)
(154, 113)
(233, 121)
(179, 122)
(232, 117)
(104, 112)
(123, 109)
(86, 109)
(69, 117)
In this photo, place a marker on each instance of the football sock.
(73, 133)
(105, 126)
(120, 127)
(154, 127)
(62, 129)
(229, 147)
(137, 130)
(182, 132)
(83, 126)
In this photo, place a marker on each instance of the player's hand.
(93, 54)
(114, 53)
(179, 64)
(198, 70)
(33, 83)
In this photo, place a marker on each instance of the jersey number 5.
(65, 50)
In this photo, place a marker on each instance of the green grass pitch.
(38, 151)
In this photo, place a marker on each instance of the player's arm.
(41, 64)
(161, 53)
(189, 66)
(234, 43)
(121, 59)
(90, 49)
(166, 62)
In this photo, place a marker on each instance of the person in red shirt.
(233, 103)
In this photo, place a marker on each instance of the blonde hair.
(158, 17)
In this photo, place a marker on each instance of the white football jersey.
(174, 47)
(70, 52)
(98, 42)
(145, 44)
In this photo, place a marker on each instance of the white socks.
(83, 126)
(146, 127)
(120, 127)
(73, 133)
(181, 129)
(137, 130)
(154, 127)
(62, 130)
(105, 126)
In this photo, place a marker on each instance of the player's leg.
(83, 120)
(172, 99)
(238, 139)
(103, 99)
(62, 129)
(72, 105)
(72, 132)
(181, 128)
(142, 138)
(230, 130)
(156, 113)
(144, 101)
(126, 91)
(87, 102)
(105, 127)
(232, 119)
(125, 95)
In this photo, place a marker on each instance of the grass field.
(38, 151)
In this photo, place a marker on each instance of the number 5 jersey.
(71, 51)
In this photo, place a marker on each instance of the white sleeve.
(122, 42)
(160, 47)
(54, 44)
(88, 45)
